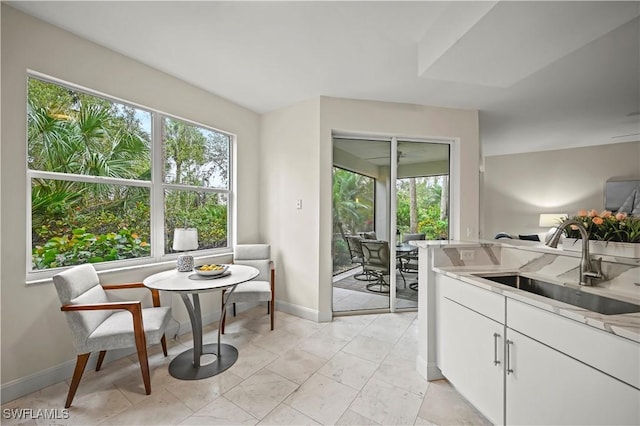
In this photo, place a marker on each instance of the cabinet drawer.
(475, 298)
(611, 354)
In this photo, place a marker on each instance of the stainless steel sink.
(571, 296)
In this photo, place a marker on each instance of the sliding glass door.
(378, 205)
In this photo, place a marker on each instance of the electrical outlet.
(467, 254)
(299, 204)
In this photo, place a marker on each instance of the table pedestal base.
(182, 366)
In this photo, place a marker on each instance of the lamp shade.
(551, 219)
(185, 239)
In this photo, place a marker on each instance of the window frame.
(156, 186)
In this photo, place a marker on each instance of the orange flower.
(134, 235)
(593, 213)
(582, 213)
(597, 220)
(605, 214)
(621, 216)
(144, 244)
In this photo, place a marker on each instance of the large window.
(196, 182)
(99, 194)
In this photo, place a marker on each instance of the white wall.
(517, 188)
(289, 163)
(34, 333)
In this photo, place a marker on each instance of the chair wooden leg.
(141, 346)
(100, 360)
(271, 305)
(81, 363)
(163, 342)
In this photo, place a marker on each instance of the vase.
(607, 248)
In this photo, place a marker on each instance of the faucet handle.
(595, 269)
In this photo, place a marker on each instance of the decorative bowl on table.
(211, 270)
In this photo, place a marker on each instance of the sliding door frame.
(454, 188)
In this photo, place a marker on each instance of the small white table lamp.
(185, 239)
(551, 220)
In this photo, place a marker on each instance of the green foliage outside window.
(76, 134)
(431, 221)
(75, 222)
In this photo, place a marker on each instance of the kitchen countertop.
(624, 325)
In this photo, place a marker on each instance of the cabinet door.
(471, 357)
(549, 387)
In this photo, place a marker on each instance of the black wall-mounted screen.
(617, 192)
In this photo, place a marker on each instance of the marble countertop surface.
(624, 325)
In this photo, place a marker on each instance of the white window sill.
(46, 277)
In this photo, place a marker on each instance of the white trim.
(149, 266)
(454, 180)
(102, 180)
(454, 189)
(393, 222)
(156, 201)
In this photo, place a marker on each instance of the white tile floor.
(356, 370)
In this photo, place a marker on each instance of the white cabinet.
(546, 387)
(518, 364)
(471, 354)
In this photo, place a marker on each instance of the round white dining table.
(203, 360)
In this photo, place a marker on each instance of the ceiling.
(378, 151)
(544, 75)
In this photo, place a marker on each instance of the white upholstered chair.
(98, 324)
(261, 288)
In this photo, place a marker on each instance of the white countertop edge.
(624, 325)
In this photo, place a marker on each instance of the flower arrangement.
(606, 226)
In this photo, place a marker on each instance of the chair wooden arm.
(155, 294)
(129, 306)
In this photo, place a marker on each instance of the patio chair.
(370, 235)
(377, 264)
(410, 261)
(98, 324)
(354, 242)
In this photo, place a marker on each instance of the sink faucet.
(589, 269)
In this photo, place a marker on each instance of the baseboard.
(34, 382)
(428, 370)
(422, 366)
(301, 311)
(434, 373)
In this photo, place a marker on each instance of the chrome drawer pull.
(509, 369)
(495, 349)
